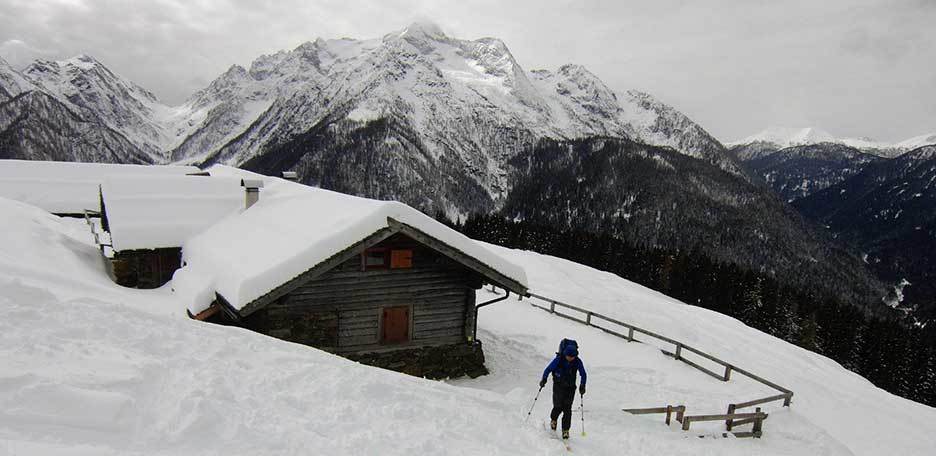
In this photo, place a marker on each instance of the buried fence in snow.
(732, 418)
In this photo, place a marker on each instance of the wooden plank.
(357, 277)
(437, 311)
(338, 303)
(733, 416)
(357, 332)
(731, 410)
(761, 401)
(613, 333)
(205, 314)
(744, 421)
(456, 318)
(404, 286)
(456, 331)
(645, 411)
(761, 380)
(703, 369)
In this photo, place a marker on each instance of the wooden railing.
(732, 418)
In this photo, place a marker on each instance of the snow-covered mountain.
(89, 88)
(37, 124)
(775, 138)
(464, 106)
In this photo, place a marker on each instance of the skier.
(563, 369)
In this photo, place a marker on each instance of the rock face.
(799, 171)
(887, 212)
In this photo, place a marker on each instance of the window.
(395, 325)
(384, 258)
(401, 259)
(376, 258)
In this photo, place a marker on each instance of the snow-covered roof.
(292, 229)
(68, 187)
(161, 212)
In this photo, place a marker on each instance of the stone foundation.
(444, 361)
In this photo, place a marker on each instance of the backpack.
(565, 343)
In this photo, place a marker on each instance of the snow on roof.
(68, 187)
(291, 229)
(161, 212)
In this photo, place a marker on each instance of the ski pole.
(534, 405)
(582, 410)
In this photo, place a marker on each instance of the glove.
(582, 390)
(542, 383)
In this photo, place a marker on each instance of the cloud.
(734, 65)
(19, 53)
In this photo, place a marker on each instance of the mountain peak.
(423, 29)
(83, 61)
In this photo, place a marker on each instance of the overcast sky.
(851, 67)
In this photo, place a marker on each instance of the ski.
(553, 435)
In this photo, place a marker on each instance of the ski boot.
(565, 434)
(552, 425)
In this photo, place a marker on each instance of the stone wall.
(444, 361)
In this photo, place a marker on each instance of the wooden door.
(395, 325)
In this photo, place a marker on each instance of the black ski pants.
(563, 397)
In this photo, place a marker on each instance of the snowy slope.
(87, 367)
(829, 400)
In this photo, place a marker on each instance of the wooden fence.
(732, 418)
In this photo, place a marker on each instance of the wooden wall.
(145, 268)
(341, 309)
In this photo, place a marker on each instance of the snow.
(787, 137)
(293, 228)
(783, 137)
(834, 411)
(88, 367)
(163, 212)
(66, 187)
(918, 141)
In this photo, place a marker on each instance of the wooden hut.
(147, 219)
(374, 281)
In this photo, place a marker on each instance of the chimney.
(251, 191)
(291, 176)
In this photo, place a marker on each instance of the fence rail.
(731, 418)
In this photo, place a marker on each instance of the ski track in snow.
(89, 368)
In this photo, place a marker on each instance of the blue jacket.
(564, 371)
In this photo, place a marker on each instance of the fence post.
(630, 335)
(678, 351)
(588, 318)
(680, 413)
(552, 307)
(669, 411)
(786, 400)
(685, 423)
(729, 422)
(758, 423)
(727, 372)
